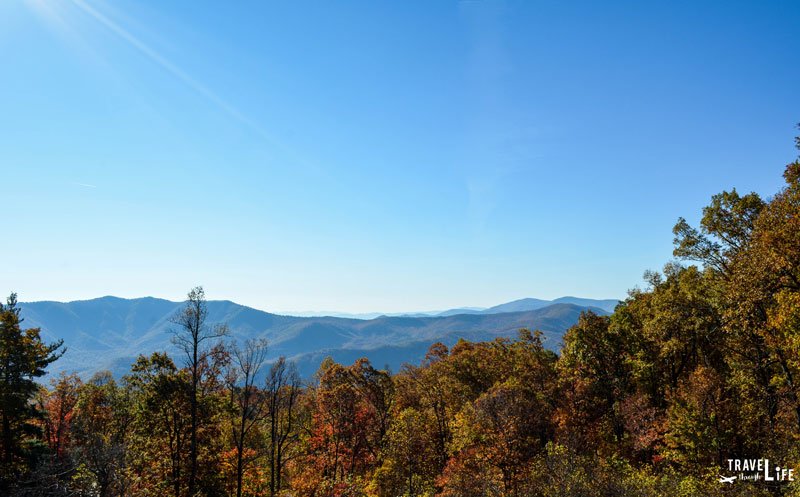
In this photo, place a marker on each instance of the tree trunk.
(239, 469)
(193, 433)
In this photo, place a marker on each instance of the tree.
(282, 390)
(595, 377)
(377, 390)
(753, 248)
(763, 317)
(190, 336)
(511, 422)
(160, 403)
(409, 464)
(100, 431)
(725, 230)
(246, 400)
(430, 388)
(23, 357)
(346, 426)
(58, 407)
(702, 421)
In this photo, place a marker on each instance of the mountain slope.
(109, 332)
(529, 304)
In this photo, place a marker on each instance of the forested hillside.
(698, 366)
(109, 333)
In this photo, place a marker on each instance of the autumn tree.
(751, 245)
(725, 230)
(594, 376)
(100, 431)
(651, 345)
(348, 425)
(511, 422)
(282, 391)
(191, 334)
(160, 428)
(703, 421)
(376, 389)
(409, 463)
(429, 388)
(58, 405)
(247, 401)
(763, 318)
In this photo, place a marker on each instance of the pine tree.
(23, 357)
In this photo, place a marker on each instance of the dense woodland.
(700, 365)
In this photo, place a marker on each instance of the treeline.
(700, 366)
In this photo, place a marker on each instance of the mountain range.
(527, 304)
(108, 333)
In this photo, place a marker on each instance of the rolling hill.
(110, 332)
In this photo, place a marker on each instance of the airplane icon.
(726, 479)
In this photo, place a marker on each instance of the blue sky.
(377, 156)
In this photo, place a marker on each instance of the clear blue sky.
(377, 156)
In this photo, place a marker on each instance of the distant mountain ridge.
(529, 304)
(526, 304)
(110, 332)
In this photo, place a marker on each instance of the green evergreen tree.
(23, 357)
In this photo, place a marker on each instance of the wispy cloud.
(168, 65)
(193, 83)
(84, 185)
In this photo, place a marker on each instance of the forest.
(698, 366)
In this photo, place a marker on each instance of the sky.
(377, 156)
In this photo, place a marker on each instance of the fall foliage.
(700, 365)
